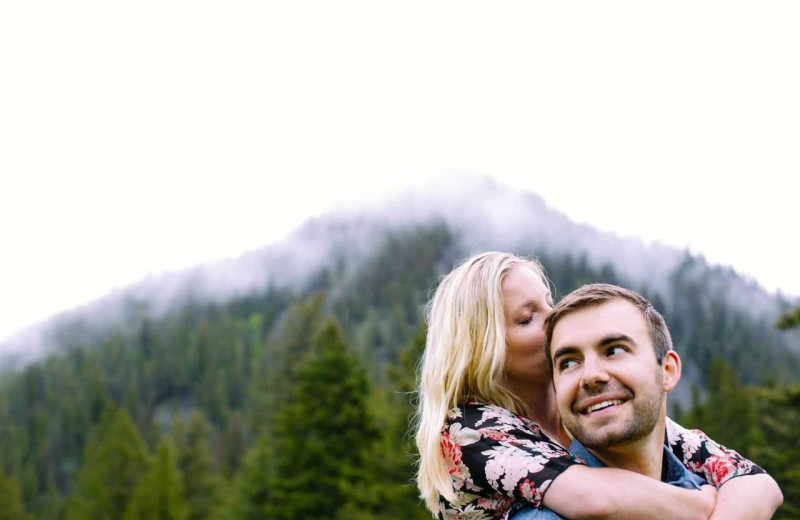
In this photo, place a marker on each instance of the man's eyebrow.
(607, 340)
(563, 351)
(615, 338)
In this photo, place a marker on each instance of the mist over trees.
(292, 400)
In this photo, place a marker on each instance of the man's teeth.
(604, 404)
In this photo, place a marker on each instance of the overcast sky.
(145, 136)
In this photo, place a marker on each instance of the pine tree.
(159, 494)
(114, 460)
(779, 416)
(390, 492)
(789, 320)
(252, 498)
(323, 432)
(200, 482)
(276, 368)
(11, 507)
(728, 415)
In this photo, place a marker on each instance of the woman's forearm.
(581, 492)
(749, 497)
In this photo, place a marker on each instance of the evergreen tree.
(233, 445)
(728, 415)
(323, 432)
(11, 507)
(195, 464)
(789, 320)
(114, 460)
(159, 494)
(390, 491)
(276, 368)
(779, 417)
(252, 498)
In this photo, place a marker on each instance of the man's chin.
(601, 430)
(603, 441)
(613, 433)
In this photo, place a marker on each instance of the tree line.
(296, 403)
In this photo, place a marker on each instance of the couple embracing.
(530, 410)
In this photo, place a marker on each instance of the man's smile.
(602, 405)
(592, 405)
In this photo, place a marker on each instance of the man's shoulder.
(675, 473)
(580, 451)
(541, 513)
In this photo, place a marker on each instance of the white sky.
(146, 136)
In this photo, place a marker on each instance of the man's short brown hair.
(597, 293)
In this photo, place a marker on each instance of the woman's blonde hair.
(464, 358)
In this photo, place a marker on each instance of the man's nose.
(593, 372)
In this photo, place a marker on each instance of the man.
(613, 365)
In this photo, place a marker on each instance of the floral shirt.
(498, 461)
(715, 463)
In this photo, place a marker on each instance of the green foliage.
(383, 301)
(789, 320)
(390, 491)
(11, 507)
(252, 497)
(323, 432)
(115, 460)
(760, 423)
(241, 366)
(276, 368)
(728, 415)
(201, 483)
(567, 273)
(705, 326)
(779, 420)
(159, 493)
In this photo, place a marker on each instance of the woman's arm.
(745, 490)
(494, 455)
(593, 493)
(704, 457)
(753, 497)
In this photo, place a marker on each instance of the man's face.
(609, 386)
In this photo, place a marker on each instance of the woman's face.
(527, 302)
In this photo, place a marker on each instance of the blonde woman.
(489, 435)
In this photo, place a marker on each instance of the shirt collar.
(672, 471)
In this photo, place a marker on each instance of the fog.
(483, 214)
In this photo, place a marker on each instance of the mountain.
(478, 212)
(237, 348)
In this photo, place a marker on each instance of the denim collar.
(672, 471)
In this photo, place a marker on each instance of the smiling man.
(613, 365)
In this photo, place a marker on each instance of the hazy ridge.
(483, 214)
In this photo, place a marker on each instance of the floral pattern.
(500, 461)
(497, 459)
(704, 457)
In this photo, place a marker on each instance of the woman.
(489, 435)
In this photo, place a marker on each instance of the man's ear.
(671, 365)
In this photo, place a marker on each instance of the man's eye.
(566, 364)
(615, 350)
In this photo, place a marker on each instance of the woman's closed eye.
(525, 320)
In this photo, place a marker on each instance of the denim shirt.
(672, 472)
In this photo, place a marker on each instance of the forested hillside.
(292, 400)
